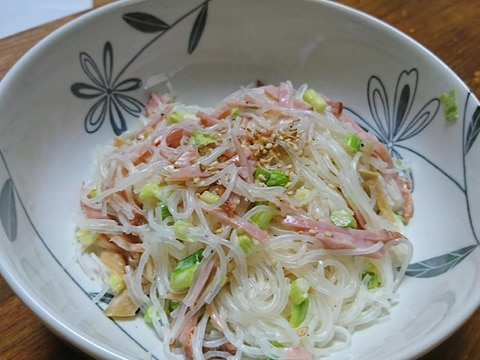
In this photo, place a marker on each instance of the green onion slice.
(352, 143)
(343, 218)
(184, 271)
(315, 100)
(299, 313)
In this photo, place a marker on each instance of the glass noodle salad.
(266, 227)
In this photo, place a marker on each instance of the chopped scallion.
(116, 283)
(245, 242)
(209, 197)
(184, 271)
(276, 343)
(203, 138)
(272, 177)
(315, 100)
(450, 106)
(262, 218)
(343, 218)
(372, 277)
(172, 305)
(147, 315)
(86, 237)
(164, 210)
(352, 143)
(299, 313)
(182, 230)
(261, 174)
(277, 178)
(301, 193)
(175, 117)
(150, 190)
(299, 290)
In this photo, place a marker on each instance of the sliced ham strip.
(154, 122)
(186, 174)
(296, 353)
(207, 120)
(251, 229)
(334, 237)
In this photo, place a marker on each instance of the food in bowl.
(267, 226)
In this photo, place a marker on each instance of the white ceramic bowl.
(85, 82)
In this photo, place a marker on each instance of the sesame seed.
(328, 234)
(302, 331)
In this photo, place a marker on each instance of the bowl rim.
(83, 343)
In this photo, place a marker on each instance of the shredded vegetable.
(264, 227)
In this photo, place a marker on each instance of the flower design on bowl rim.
(391, 122)
(110, 92)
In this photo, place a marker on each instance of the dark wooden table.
(449, 28)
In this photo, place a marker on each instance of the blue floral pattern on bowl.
(392, 119)
(392, 125)
(113, 102)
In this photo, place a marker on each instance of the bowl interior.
(86, 82)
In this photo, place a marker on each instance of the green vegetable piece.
(86, 237)
(343, 218)
(352, 143)
(147, 315)
(277, 178)
(262, 218)
(182, 230)
(116, 283)
(299, 290)
(299, 313)
(203, 138)
(150, 314)
(261, 174)
(277, 344)
(301, 193)
(150, 190)
(374, 277)
(245, 242)
(312, 98)
(450, 105)
(172, 305)
(175, 117)
(271, 178)
(184, 271)
(209, 197)
(235, 112)
(164, 210)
